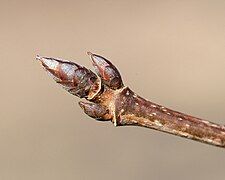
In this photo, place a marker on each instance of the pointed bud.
(96, 111)
(76, 79)
(107, 71)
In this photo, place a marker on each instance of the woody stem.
(131, 109)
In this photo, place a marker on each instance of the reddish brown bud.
(76, 79)
(107, 71)
(96, 111)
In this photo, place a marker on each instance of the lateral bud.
(107, 71)
(96, 111)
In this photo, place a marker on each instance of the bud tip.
(38, 57)
(89, 53)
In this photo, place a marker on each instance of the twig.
(109, 99)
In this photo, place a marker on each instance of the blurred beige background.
(171, 52)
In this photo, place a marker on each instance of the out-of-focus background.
(171, 52)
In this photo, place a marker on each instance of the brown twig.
(109, 99)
